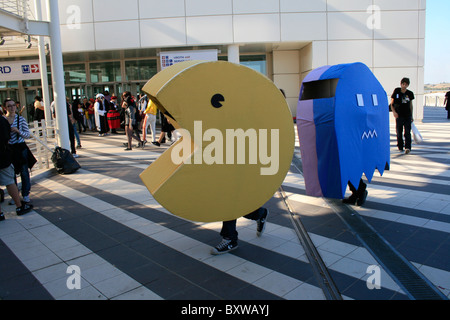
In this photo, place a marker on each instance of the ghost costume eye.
(360, 100)
(375, 100)
(216, 100)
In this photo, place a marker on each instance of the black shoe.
(350, 200)
(156, 143)
(261, 223)
(127, 149)
(143, 144)
(362, 199)
(225, 246)
(2, 216)
(25, 208)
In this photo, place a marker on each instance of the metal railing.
(434, 100)
(42, 142)
(20, 8)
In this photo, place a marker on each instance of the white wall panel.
(78, 40)
(348, 5)
(390, 78)
(163, 32)
(256, 28)
(398, 4)
(319, 54)
(209, 29)
(255, 6)
(395, 53)
(286, 61)
(70, 10)
(112, 10)
(303, 5)
(208, 7)
(110, 35)
(350, 51)
(390, 28)
(303, 26)
(348, 26)
(422, 22)
(161, 9)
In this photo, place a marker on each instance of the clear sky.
(437, 42)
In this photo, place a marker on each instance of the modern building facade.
(116, 45)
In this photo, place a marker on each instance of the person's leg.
(7, 178)
(260, 216)
(407, 126)
(77, 136)
(72, 139)
(399, 129)
(362, 193)
(229, 238)
(145, 124)
(353, 196)
(152, 120)
(128, 132)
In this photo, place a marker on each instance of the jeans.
(403, 122)
(76, 134)
(229, 227)
(24, 176)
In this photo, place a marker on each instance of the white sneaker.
(75, 155)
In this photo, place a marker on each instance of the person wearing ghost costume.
(343, 129)
(100, 114)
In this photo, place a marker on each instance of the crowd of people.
(106, 114)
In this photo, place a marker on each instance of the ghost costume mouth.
(370, 134)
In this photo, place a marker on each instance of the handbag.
(31, 158)
(416, 134)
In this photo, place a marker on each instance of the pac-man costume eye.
(216, 100)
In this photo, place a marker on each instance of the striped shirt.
(20, 123)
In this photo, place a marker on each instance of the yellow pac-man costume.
(237, 140)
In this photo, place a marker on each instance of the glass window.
(104, 55)
(105, 72)
(256, 62)
(74, 73)
(140, 69)
(9, 84)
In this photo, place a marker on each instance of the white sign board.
(19, 70)
(171, 57)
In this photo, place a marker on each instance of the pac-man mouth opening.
(167, 114)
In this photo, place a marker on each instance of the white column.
(59, 95)
(233, 53)
(43, 66)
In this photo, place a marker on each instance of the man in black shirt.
(402, 108)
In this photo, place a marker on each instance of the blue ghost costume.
(343, 129)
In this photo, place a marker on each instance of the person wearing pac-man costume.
(237, 140)
(343, 129)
